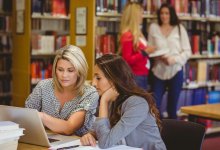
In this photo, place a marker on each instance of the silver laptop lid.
(28, 119)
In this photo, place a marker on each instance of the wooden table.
(24, 146)
(209, 111)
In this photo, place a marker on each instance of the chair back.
(182, 135)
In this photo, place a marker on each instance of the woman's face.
(165, 15)
(99, 81)
(66, 73)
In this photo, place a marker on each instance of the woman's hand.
(169, 60)
(110, 95)
(88, 140)
(150, 49)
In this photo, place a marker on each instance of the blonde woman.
(65, 104)
(133, 44)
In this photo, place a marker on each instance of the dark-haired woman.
(167, 70)
(127, 114)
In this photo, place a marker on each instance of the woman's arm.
(88, 139)
(185, 47)
(128, 49)
(61, 126)
(85, 109)
(135, 111)
(34, 100)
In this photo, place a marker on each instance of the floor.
(211, 142)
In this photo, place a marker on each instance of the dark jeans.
(174, 86)
(141, 81)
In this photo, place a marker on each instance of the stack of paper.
(76, 145)
(9, 135)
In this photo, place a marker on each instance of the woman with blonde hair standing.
(133, 44)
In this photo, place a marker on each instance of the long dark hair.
(174, 20)
(117, 71)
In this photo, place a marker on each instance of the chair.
(182, 135)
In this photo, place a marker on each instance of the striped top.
(43, 99)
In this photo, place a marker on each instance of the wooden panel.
(89, 49)
(21, 58)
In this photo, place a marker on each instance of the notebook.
(34, 132)
(159, 53)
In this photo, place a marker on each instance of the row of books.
(9, 135)
(196, 8)
(112, 6)
(187, 98)
(106, 38)
(5, 43)
(5, 64)
(202, 71)
(4, 23)
(204, 37)
(194, 97)
(58, 8)
(5, 86)
(5, 6)
(5, 99)
(50, 24)
(47, 44)
(41, 69)
(105, 44)
(212, 46)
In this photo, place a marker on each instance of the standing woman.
(167, 70)
(127, 113)
(65, 103)
(133, 43)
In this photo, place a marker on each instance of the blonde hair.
(76, 57)
(130, 21)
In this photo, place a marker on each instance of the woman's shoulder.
(154, 25)
(182, 28)
(135, 100)
(88, 89)
(45, 82)
(126, 35)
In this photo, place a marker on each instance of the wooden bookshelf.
(22, 52)
(205, 57)
(89, 48)
(51, 17)
(5, 52)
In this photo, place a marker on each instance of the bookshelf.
(201, 19)
(98, 23)
(5, 52)
(46, 29)
(202, 71)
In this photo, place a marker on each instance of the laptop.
(34, 132)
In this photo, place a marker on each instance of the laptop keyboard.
(52, 140)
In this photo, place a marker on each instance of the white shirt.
(177, 45)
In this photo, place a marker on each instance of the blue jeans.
(141, 81)
(174, 86)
